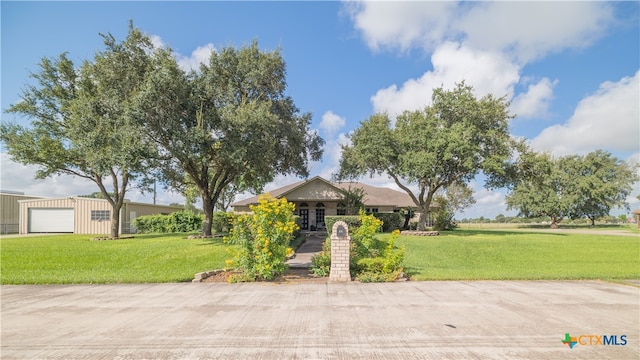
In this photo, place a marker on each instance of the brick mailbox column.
(340, 243)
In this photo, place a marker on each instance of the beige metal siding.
(84, 224)
(10, 212)
(39, 204)
(82, 213)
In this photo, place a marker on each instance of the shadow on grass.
(212, 242)
(411, 271)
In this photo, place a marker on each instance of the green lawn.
(459, 255)
(74, 259)
(485, 254)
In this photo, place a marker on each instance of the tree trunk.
(207, 204)
(422, 220)
(425, 209)
(115, 220)
(407, 218)
(554, 222)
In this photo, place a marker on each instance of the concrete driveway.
(410, 320)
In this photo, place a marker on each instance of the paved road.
(410, 320)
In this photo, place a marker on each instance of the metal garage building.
(81, 215)
(10, 210)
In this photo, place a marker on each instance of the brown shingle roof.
(375, 196)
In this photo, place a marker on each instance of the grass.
(75, 259)
(631, 228)
(497, 255)
(464, 254)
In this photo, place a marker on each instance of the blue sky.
(570, 69)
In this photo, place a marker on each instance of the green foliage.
(448, 142)
(455, 197)
(353, 200)
(297, 241)
(371, 259)
(570, 186)
(229, 125)
(321, 262)
(81, 122)
(262, 240)
(390, 221)
(444, 215)
(222, 221)
(149, 224)
(364, 237)
(353, 222)
(176, 222)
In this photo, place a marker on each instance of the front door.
(304, 217)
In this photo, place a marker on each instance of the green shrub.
(150, 224)
(297, 241)
(262, 240)
(390, 221)
(222, 221)
(352, 221)
(184, 221)
(371, 259)
(180, 221)
(321, 262)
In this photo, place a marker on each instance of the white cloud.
(487, 72)
(198, 56)
(332, 154)
(156, 41)
(402, 25)
(526, 30)
(489, 203)
(18, 177)
(531, 30)
(187, 62)
(536, 101)
(607, 119)
(332, 123)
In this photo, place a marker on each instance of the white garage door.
(50, 220)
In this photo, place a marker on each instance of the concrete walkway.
(311, 246)
(409, 320)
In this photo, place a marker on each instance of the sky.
(571, 70)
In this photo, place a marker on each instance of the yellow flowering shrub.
(262, 239)
(371, 258)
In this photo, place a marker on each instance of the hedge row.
(390, 221)
(181, 221)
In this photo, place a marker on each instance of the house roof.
(81, 198)
(374, 196)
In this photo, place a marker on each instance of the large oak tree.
(81, 119)
(571, 186)
(448, 142)
(228, 123)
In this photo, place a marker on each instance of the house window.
(100, 215)
(372, 210)
(319, 214)
(342, 209)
